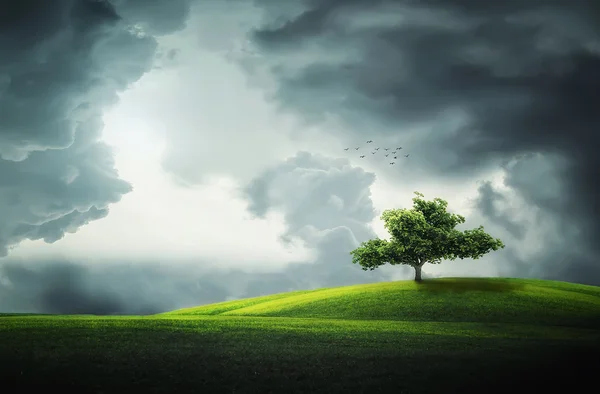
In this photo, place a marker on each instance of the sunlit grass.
(498, 300)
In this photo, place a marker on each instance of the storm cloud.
(62, 63)
(67, 287)
(472, 84)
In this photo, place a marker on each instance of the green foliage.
(372, 254)
(424, 234)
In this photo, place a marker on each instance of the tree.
(424, 234)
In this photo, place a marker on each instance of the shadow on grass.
(462, 285)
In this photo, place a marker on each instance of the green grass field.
(441, 336)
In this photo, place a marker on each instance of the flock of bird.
(385, 150)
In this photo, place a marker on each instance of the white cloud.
(164, 220)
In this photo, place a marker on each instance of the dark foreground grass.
(279, 355)
(175, 353)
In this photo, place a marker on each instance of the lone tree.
(424, 234)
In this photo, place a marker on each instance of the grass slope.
(444, 335)
(489, 300)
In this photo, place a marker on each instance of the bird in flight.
(407, 155)
(387, 155)
(373, 153)
(392, 163)
(346, 148)
(362, 157)
(376, 148)
(356, 148)
(369, 141)
(398, 148)
(395, 157)
(386, 148)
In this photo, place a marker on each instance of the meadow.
(439, 336)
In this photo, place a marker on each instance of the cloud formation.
(314, 190)
(546, 241)
(61, 64)
(468, 86)
(473, 85)
(330, 217)
(326, 204)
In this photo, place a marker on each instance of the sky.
(162, 154)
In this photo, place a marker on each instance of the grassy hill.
(449, 335)
(483, 300)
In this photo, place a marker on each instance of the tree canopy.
(424, 234)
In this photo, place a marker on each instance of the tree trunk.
(418, 273)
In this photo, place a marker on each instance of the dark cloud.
(482, 82)
(140, 288)
(486, 204)
(62, 63)
(66, 287)
(156, 17)
(539, 219)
